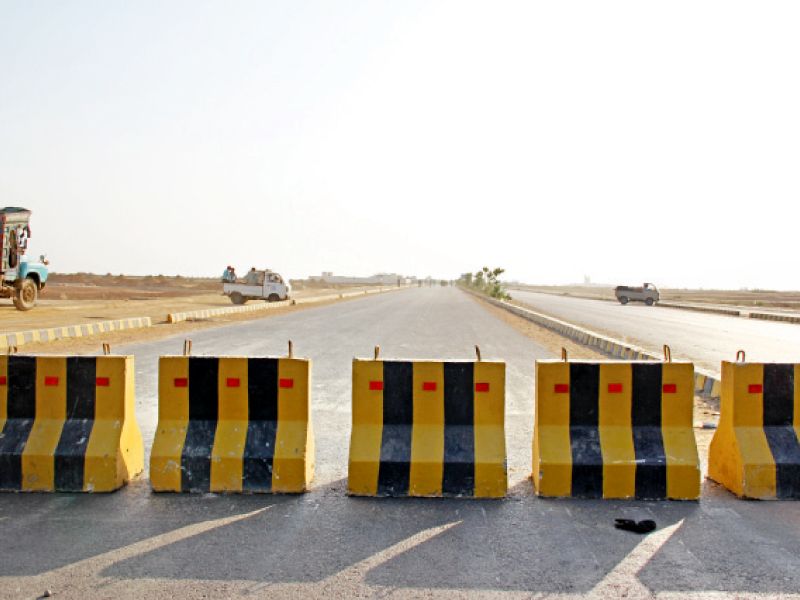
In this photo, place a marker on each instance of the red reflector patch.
(51, 380)
(481, 387)
(755, 388)
(233, 382)
(102, 381)
(181, 382)
(376, 386)
(614, 388)
(3, 381)
(562, 388)
(670, 388)
(287, 383)
(428, 386)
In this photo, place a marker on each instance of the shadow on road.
(521, 543)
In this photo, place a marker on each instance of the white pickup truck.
(258, 285)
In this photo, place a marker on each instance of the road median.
(706, 383)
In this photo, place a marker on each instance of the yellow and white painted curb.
(215, 312)
(73, 331)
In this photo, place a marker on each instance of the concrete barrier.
(755, 451)
(233, 425)
(615, 430)
(67, 423)
(428, 428)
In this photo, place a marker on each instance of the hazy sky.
(628, 141)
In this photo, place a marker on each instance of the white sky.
(628, 141)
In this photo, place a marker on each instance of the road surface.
(64, 313)
(138, 544)
(706, 339)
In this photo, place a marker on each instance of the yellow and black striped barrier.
(755, 451)
(426, 428)
(67, 423)
(775, 317)
(233, 425)
(615, 430)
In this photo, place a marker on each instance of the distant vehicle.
(648, 294)
(258, 285)
(21, 278)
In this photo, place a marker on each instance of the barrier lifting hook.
(478, 352)
(738, 354)
(667, 354)
(291, 349)
(377, 351)
(564, 355)
(106, 349)
(187, 347)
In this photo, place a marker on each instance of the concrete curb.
(73, 331)
(705, 383)
(774, 317)
(706, 309)
(174, 318)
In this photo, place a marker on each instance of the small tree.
(487, 281)
(496, 287)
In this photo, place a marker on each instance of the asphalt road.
(323, 544)
(706, 339)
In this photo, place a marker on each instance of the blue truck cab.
(21, 277)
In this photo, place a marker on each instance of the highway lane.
(704, 338)
(419, 323)
(135, 544)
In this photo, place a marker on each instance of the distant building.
(379, 279)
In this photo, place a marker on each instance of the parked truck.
(21, 278)
(257, 285)
(648, 294)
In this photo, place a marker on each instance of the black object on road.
(645, 526)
